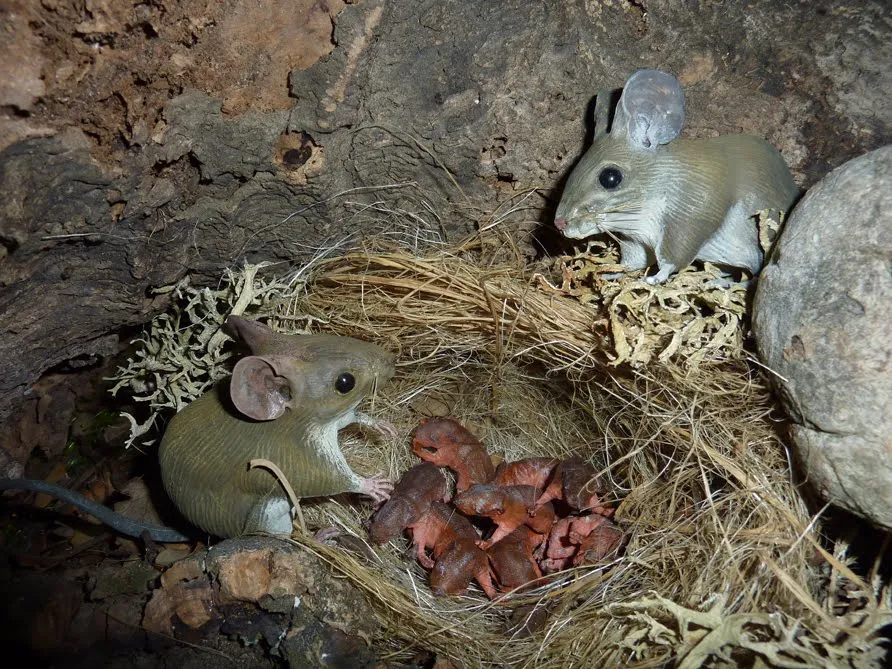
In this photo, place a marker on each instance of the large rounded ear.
(257, 390)
(252, 333)
(651, 109)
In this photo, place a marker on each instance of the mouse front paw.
(423, 558)
(378, 487)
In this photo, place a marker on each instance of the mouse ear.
(651, 109)
(257, 390)
(601, 113)
(252, 333)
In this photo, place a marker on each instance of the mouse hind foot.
(271, 516)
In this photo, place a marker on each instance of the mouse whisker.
(631, 208)
(374, 393)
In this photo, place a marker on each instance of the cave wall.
(141, 142)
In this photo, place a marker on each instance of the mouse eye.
(345, 383)
(610, 178)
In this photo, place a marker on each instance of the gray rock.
(823, 323)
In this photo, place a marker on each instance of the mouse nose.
(560, 223)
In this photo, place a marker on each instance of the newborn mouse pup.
(536, 472)
(512, 559)
(460, 562)
(576, 482)
(508, 507)
(439, 527)
(421, 486)
(447, 443)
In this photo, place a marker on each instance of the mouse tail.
(115, 521)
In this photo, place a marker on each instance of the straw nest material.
(724, 566)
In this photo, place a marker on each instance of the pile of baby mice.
(543, 515)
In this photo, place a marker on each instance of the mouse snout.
(560, 223)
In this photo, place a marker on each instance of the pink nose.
(560, 223)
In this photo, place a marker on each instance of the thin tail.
(116, 521)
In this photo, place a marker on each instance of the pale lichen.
(181, 352)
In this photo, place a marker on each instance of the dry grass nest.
(652, 384)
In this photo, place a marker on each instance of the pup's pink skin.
(559, 552)
(579, 540)
(446, 443)
(535, 472)
(582, 526)
(512, 558)
(602, 540)
(508, 507)
(576, 482)
(550, 566)
(419, 487)
(437, 529)
(461, 561)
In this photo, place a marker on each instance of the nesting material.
(696, 317)
(581, 321)
(724, 565)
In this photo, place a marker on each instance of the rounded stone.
(823, 324)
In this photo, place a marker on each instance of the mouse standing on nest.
(284, 403)
(671, 201)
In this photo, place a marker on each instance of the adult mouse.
(670, 201)
(285, 403)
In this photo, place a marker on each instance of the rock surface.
(188, 137)
(823, 323)
(251, 602)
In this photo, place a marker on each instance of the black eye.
(610, 178)
(345, 383)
